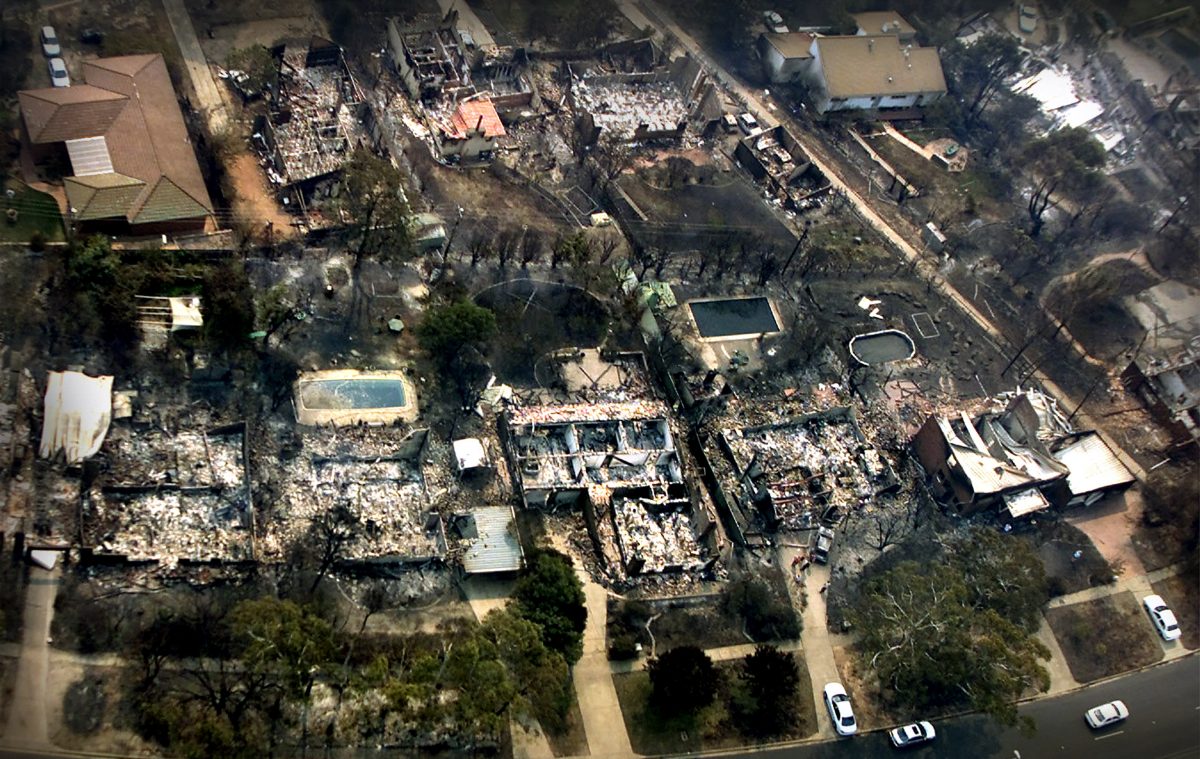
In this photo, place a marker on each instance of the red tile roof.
(471, 114)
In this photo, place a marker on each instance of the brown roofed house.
(133, 168)
(785, 57)
(884, 22)
(873, 72)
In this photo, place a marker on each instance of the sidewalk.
(598, 703)
(818, 645)
(208, 98)
(1139, 585)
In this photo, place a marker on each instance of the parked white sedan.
(1162, 617)
(1106, 714)
(838, 704)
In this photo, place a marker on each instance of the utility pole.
(453, 231)
(795, 250)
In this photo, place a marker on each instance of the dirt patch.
(697, 624)
(228, 37)
(687, 216)
(253, 200)
(1104, 637)
(1182, 595)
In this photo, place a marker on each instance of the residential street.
(1163, 703)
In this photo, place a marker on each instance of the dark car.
(91, 36)
(823, 544)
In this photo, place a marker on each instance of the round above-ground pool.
(882, 347)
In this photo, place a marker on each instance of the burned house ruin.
(316, 121)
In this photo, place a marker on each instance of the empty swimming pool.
(733, 316)
(881, 347)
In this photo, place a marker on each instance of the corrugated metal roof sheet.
(89, 155)
(495, 548)
(1025, 502)
(1093, 466)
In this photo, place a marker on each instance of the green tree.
(550, 595)
(937, 634)
(454, 336)
(683, 681)
(1002, 574)
(770, 685)
(372, 197)
(282, 637)
(447, 331)
(540, 675)
(228, 305)
(766, 617)
(260, 67)
(977, 71)
(1065, 162)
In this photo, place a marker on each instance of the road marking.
(1110, 735)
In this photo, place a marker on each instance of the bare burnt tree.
(479, 246)
(331, 532)
(532, 245)
(507, 244)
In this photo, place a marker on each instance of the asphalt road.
(1164, 723)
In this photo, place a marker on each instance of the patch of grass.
(951, 189)
(571, 740)
(36, 212)
(1104, 637)
(650, 733)
(1182, 595)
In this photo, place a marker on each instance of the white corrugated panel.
(89, 156)
(495, 547)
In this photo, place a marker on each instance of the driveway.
(27, 715)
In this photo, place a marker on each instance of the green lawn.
(36, 212)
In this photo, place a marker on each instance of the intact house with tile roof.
(876, 72)
(133, 169)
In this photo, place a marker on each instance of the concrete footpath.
(594, 687)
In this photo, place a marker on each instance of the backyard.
(36, 212)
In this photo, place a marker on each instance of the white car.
(912, 735)
(50, 46)
(1027, 18)
(1106, 714)
(1162, 617)
(748, 123)
(838, 704)
(58, 72)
